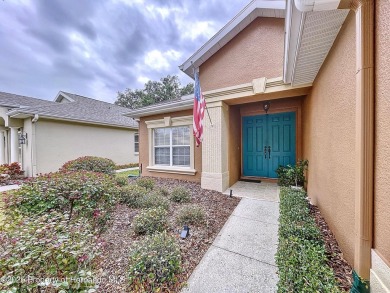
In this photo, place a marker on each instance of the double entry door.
(267, 141)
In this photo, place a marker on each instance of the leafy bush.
(80, 193)
(131, 195)
(46, 247)
(13, 169)
(180, 195)
(292, 175)
(191, 214)
(89, 163)
(147, 183)
(153, 200)
(154, 261)
(121, 181)
(150, 221)
(163, 191)
(301, 257)
(125, 166)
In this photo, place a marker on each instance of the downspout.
(364, 196)
(33, 146)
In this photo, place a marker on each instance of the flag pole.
(207, 109)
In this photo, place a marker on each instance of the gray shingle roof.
(81, 109)
(17, 101)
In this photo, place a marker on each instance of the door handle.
(265, 152)
(269, 152)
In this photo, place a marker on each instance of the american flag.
(199, 107)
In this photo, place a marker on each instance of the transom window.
(172, 146)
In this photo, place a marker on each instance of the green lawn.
(127, 173)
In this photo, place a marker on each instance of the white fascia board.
(231, 29)
(162, 108)
(316, 5)
(62, 94)
(293, 29)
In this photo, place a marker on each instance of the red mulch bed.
(342, 270)
(112, 270)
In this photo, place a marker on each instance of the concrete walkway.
(8, 187)
(241, 258)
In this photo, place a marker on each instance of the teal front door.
(267, 142)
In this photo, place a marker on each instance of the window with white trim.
(172, 146)
(136, 142)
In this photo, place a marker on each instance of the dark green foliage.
(167, 88)
(147, 183)
(301, 257)
(180, 195)
(122, 181)
(131, 195)
(126, 166)
(191, 214)
(292, 175)
(150, 221)
(81, 193)
(154, 261)
(46, 247)
(89, 163)
(153, 200)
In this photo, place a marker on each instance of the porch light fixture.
(185, 232)
(266, 106)
(22, 137)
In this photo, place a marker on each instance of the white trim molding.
(379, 274)
(164, 123)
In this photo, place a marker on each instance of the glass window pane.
(161, 156)
(181, 135)
(162, 136)
(181, 156)
(136, 137)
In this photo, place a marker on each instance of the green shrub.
(46, 247)
(89, 163)
(191, 214)
(122, 181)
(153, 200)
(147, 183)
(13, 170)
(78, 194)
(301, 258)
(163, 191)
(292, 175)
(180, 195)
(154, 261)
(150, 221)
(132, 194)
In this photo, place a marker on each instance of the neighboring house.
(316, 69)
(69, 127)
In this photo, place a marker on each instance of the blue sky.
(99, 47)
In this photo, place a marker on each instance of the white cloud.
(158, 60)
(143, 79)
(193, 30)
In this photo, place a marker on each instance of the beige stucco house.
(324, 69)
(69, 127)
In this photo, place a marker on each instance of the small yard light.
(185, 232)
(22, 137)
(231, 192)
(266, 106)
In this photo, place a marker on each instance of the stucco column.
(2, 148)
(14, 145)
(215, 172)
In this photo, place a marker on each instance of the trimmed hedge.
(301, 258)
(150, 221)
(180, 195)
(90, 163)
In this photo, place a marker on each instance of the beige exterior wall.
(144, 149)
(57, 142)
(382, 132)
(27, 149)
(329, 138)
(255, 52)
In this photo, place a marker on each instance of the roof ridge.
(1, 92)
(92, 99)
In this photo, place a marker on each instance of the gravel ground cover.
(118, 238)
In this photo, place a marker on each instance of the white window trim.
(170, 122)
(136, 153)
